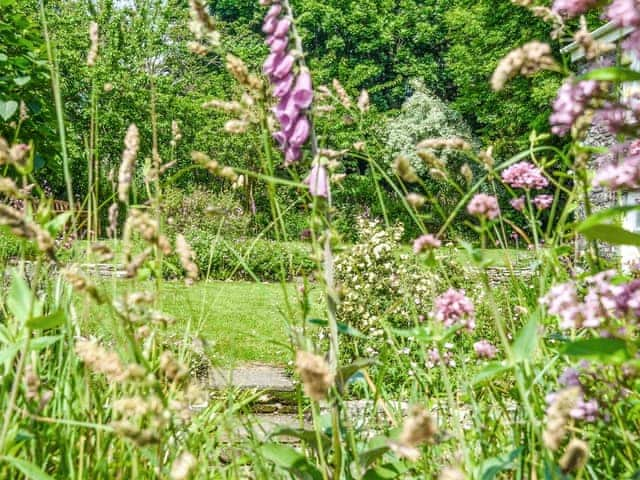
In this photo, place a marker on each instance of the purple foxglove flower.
(292, 155)
(269, 64)
(283, 86)
(300, 132)
(282, 28)
(279, 45)
(270, 24)
(283, 66)
(286, 113)
(303, 91)
(318, 181)
(281, 138)
(274, 11)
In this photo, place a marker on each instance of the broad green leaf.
(342, 327)
(491, 467)
(39, 343)
(489, 372)
(56, 225)
(22, 81)
(20, 300)
(385, 472)
(3, 57)
(290, 459)
(612, 234)
(370, 456)
(7, 109)
(612, 74)
(605, 349)
(47, 321)
(28, 469)
(525, 344)
(607, 214)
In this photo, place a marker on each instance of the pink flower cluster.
(572, 8)
(582, 410)
(454, 307)
(483, 205)
(601, 302)
(425, 242)
(570, 104)
(295, 92)
(484, 349)
(542, 202)
(518, 203)
(624, 13)
(624, 175)
(524, 175)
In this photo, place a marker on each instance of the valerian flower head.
(484, 349)
(572, 8)
(454, 307)
(571, 104)
(483, 205)
(425, 242)
(524, 175)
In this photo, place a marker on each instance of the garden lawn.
(240, 321)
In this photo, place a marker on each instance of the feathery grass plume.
(442, 143)
(343, 96)
(486, 157)
(99, 360)
(559, 416)
(402, 168)
(112, 229)
(171, 368)
(363, 102)
(467, 173)
(183, 466)
(140, 419)
(105, 254)
(24, 228)
(80, 283)
(31, 382)
(9, 188)
(236, 126)
(451, 473)
(234, 107)
(187, 257)
(575, 456)
(134, 264)
(592, 47)
(94, 37)
(316, 376)
(132, 144)
(149, 230)
(24, 112)
(202, 25)
(416, 200)
(418, 428)
(526, 60)
(176, 134)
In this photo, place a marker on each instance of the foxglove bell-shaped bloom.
(281, 138)
(282, 28)
(269, 64)
(286, 113)
(283, 66)
(274, 11)
(303, 91)
(301, 131)
(279, 45)
(270, 24)
(318, 181)
(292, 155)
(283, 86)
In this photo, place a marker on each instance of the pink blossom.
(572, 8)
(524, 175)
(291, 155)
(283, 86)
(624, 13)
(303, 91)
(562, 300)
(318, 181)
(282, 28)
(483, 205)
(270, 63)
(632, 42)
(425, 242)
(623, 176)
(269, 25)
(300, 132)
(570, 104)
(283, 66)
(274, 10)
(542, 202)
(278, 45)
(454, 307)
(517, 203)
(585, 410)
(484, 349)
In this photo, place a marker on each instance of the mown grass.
(241, 322)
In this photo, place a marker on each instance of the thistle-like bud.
(402, 168)
(415, 200)
(187, 256)
(342, 94)
(575, 456)
(363, 101)
(316, 376)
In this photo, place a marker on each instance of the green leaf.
(20, 300)
(47, 321)
(604, 349)
(491, 467)
(22, 81)
(489, 372)
(56, 225)
(28, 469)
(291, 460)
(525, 344)
(612, 234)
(370, 456)
(346, 372)
(7, 109)
(384, 472)
(607, 214)
(612, 74)
(3, 57)
(342, 327)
